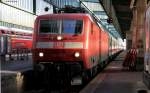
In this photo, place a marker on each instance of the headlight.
(41, 54)
(77, 54)
(59, 37)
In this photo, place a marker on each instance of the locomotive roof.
(65, 15)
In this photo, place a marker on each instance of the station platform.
(12, 67)
(11, 72)
(116, 79)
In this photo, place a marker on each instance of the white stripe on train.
(66, 44)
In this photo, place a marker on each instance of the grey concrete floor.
(17, 65)
(115, 79)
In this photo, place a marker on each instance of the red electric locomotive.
(69, 46)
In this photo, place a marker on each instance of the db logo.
(58, 44)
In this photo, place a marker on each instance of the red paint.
(18, 43)
(18, 39)
(95, 42)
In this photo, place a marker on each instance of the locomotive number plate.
(58, 44)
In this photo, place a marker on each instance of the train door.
(94, 43)
(110, 46)
(100, 46)
(104, 47)
(3, 44)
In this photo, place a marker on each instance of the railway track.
(24, 83)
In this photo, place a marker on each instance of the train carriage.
(11, 41)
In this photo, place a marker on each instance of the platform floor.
(15, 66)
(115, 79)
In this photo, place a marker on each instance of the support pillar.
(138, 30)
(134, 28)
(128, 40)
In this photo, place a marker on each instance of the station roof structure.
(123, 13)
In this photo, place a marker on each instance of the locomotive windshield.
(61, 26)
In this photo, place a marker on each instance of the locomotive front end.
(58, 46)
